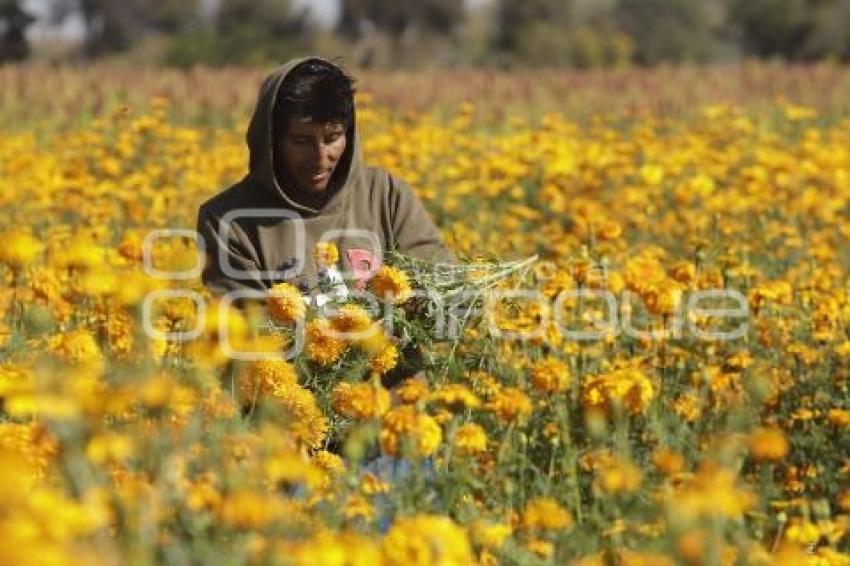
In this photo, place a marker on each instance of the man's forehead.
(300, 120)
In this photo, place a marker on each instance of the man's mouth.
(319, 177)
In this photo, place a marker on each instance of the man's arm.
(213, 275)
(414, 233)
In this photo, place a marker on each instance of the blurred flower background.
(120, 443)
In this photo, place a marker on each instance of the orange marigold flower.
(304, 417)
(545, 514)
(406, 423)
(455, 397)
(391, 283)
(262, 378)
(768, 444)
(286, 303)
(351, 318)
(510, 404)
(668, 461)
(361, 400)
(550, 375)
(412, 390)
(19, 248)
(385, 360)
(322, 347)
(470, 439)
(426, 539)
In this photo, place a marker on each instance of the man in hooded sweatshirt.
(307, 183)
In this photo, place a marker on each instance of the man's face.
(310, 153)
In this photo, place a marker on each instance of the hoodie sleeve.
(213, 275)
(413, 231)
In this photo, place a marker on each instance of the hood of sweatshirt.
(260, 140)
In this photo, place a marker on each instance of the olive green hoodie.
(252, 233)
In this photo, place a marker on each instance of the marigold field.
(123, 442)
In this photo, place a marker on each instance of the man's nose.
(323, 153)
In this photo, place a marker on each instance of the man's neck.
(313, 200)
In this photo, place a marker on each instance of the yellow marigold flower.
(426, 540)
(217, 404)
(358, 507)
(14, 380)
(120, 332)
(262, 378)
(287, 465)
(110, 446)
(609, 230)
(627, 557)
(305, 418)
(667, 301)
(456, 397)
(780, 292)
(131, 244)
(329, 462)
(19, 248)
(802, 532)
(510, 404)
(385, 360)
(839, 417)
(325, 254)
(545, 514)
(163, 391)
(80, 253)
(470, 439)
(330, 548)
(322, 347)
(412, 390)
(712, 492)
(33, 443)
(203, 494)
(371, 340)
(618, 477)
(627, 386)
(651, 174)
(392, 283)
(842, 350)
(79, 347)
(483, 383)
(360, 401)
(550, 375)
(768, 444)
(488, 534)
(228, 319)
(286, 303)
(407, 424)
(370, 484)
(688, 406)
(542, 548)
(247, 509)
(351, 318)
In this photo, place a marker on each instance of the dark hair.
(316, 89)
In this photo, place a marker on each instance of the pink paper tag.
(363, 264)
